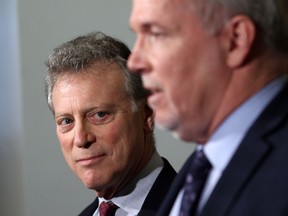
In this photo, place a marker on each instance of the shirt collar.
(132, 196)
(224, 142)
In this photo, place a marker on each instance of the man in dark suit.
(105, 127)
(155, 196)
(217, 76)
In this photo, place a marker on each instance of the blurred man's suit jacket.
(255, 182)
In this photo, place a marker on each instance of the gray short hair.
(83, 52)
(269, 16)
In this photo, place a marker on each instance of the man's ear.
(149, 119)
(240, 34)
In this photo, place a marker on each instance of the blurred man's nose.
(136, 63)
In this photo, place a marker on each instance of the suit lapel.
(235, 177)
(89, 210)
(252, 152)
(158, 190)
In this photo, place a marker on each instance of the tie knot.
(107, 208)
(199, 162)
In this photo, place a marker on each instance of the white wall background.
(36, 180)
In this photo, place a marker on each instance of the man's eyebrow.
(148, 25)
(145, 25)
(57, 115)
(109, 106)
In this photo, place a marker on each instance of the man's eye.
(101, 117)
(101, 114)
(65, 121)
(156, 34)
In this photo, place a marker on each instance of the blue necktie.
(199, 167)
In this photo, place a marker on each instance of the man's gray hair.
(269, 16)
(74, 56)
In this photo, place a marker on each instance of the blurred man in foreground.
(216, 71)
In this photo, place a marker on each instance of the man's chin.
(174, 128)
(90, 183)
(165, 124)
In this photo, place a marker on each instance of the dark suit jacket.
(255, 182)
(154, 197)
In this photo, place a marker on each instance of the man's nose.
(136, 60)
(84, 136)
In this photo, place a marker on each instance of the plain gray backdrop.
(35, 180)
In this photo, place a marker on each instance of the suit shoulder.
(90, 209)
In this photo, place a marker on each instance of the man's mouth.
(88, 161)
(154, 97)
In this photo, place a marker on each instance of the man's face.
(101, 138)
(180, 63)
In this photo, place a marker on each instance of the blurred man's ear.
(149, 119)
(239, 36)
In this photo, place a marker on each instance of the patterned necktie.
(107, 209)
(199, 167)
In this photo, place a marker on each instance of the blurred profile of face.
(102, 139)
(180, 63)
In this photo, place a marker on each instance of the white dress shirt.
(130, 199)
(226, 139)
